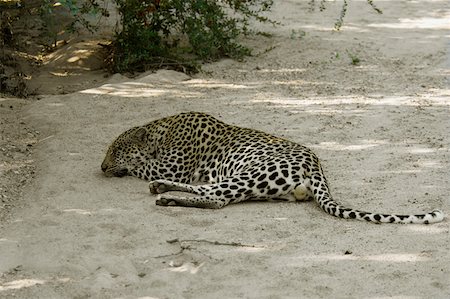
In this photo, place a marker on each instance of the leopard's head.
(127, 153)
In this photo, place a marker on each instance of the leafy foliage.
(177, 32)
(77, 11)
(174, 33)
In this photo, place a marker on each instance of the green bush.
(173, 33)
(176, 33)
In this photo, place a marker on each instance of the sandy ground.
(380, 127)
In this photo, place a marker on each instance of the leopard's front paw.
(162, 202)
(157, 187)
(166, 200)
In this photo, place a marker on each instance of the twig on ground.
(184, 247)
(211, 242)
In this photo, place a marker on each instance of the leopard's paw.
(162, 202)
(166, 200)
(157, 187)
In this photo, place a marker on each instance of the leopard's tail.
(323, 197)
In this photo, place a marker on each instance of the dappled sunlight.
(443, 93)
(298, 83)
(439, 23)
(370, 100)
(55, 104)
(335, 146)
(139, 90)
(429, 164)
(78, 211)
(388, 258)
(80, 54)
(213, 84)
(437, 20)
(436, 96)
(199, 88)
(28, 282)
(288, 102)
(60, 74)
(74, 55)
(319, 27)
(421, 150)
(280, 70)
(249, 249)
(329, 111)
(72, 154)
(3, 240)
(20, 284)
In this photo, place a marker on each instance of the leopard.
(193, 159)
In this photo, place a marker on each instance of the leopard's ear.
(140, 135)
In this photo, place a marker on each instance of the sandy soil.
(381, 128)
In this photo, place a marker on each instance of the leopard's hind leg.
(169, 199)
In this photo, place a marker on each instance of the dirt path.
(381, 128)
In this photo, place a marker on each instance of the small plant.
(354, 60)
(340, 21)
(374, 7)
(297, 34)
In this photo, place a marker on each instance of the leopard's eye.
(116, 149)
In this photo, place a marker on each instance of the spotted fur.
(231, 163)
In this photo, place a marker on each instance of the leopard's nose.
(104, 167)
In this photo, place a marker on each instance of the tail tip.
(438, 215)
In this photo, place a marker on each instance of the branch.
(184, 247)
